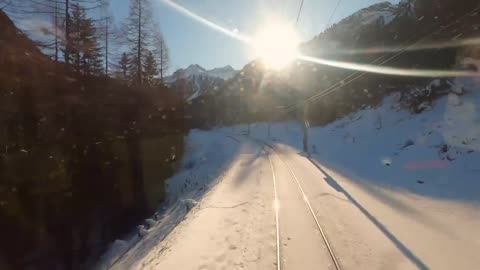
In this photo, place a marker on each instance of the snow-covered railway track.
(307, 204)
(274, 178)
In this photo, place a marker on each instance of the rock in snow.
(142, 231)
(189, 204)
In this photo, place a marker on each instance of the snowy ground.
(231, 227)
(435, 153)
(391, 189)
(415, 177)
(207, 156)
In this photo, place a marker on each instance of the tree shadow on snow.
(399, 244)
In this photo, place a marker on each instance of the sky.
(191, 42)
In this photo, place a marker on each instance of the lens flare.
(231, 33)
(425, 46)
(426, 73)
(276, 44)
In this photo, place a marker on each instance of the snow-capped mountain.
(377, 14)
(407, 6)
(191, 71)
(195, 80)
(381, 13)
(356, 29)
(225, 73)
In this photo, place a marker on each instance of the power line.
(299, 12)
(342, 82)
(331, 16)
(333, 13)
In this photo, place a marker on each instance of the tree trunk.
(139, 52)
(56, 31)
(161, 64)
(106, 47)
(67, 33)
(136, 160)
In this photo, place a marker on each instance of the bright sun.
(276, 45)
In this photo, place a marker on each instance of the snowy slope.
(199, 81)
(189, 72)
(414, 177)
(381, 13)
(390, 146)
(399, 191)
(225, 73)
(192, 71)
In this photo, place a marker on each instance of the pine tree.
(75, 48)
(61, 12)
(106, 34)
(139, 29)
(84, 48)
(123, 67)
(161, 51)
(150, 70)
(67, 50)
(92, 56)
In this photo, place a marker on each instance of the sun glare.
(276, 45)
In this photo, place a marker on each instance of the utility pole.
(306, 125)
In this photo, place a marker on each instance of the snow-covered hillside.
(381, 13)
(415, 177)
(434, 153)
(191, 71)
(225, 73)
(197, 81)
(411, 178)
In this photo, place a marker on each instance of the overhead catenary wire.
(333, 14)
(345, 81)
(299, 12)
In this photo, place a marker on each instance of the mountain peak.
(380, 13)
(195, 68)
(228, 67)
(226, 72)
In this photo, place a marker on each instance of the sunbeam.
(276, 44)
(429, 73)
(425, 46)
(207, 22)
